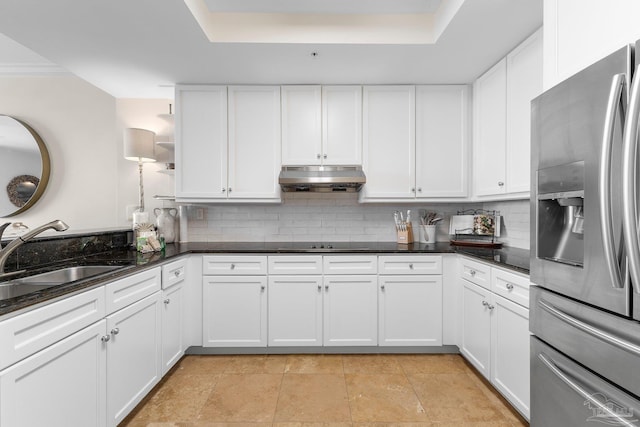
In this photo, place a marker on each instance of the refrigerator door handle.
(629, 202)
(591, 330)
(606, 223)
(588, 396)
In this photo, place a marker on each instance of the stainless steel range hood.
(323, 179)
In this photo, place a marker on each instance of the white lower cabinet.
(133, 355)
(234, 311)
(410, 310)
(476, 326)
(61, 386)
(495, 334)
(172, 326)
(350, 310)
(295, 310)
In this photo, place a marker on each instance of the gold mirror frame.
(46, 170)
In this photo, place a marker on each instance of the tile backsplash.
(318, 217)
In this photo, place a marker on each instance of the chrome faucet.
(14, 244)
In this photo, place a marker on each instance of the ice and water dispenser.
(560, 213)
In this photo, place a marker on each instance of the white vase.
(166, 223)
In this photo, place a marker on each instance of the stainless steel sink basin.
(26, 285)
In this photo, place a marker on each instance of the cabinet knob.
(472, 272)
(486, 304)
(500, 184)
(419, 189)
(410, 266)
(105, 338)
(115, 331)
(167, 301)
(509, 286)
(233, 266)
(319, 288)
(490, 307)
(224, 190)
(229, 189)
(318, 156)
(177, 273)
(326, 288)
(413, 190)
(324, 156)
(263, 287)
(382, 288)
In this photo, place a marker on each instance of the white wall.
(76, 121)
(578, 33)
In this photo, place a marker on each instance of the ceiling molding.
(31, 69)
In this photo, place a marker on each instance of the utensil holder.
(405, 236)
(427, 233)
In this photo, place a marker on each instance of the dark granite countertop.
(133, 262)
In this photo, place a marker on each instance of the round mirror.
(24, 166)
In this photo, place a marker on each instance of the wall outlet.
(129, 212)
(199, 213)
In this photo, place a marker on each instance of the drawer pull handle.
(472, 272)
(167, 301)
(509, 286)
(177, 273)
(115, 331)
(105, 338)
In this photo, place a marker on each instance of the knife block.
(405, 237)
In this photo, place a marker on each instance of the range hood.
(324, 179)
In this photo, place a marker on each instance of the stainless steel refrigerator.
(585, 254)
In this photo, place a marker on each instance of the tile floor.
(439, 390)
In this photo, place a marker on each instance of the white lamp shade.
(139, 145)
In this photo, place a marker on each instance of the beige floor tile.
(472, 424)
(311, 424)
(208, 364)
(313, 398)
(383, 398)
(214, 424)
(242, 398)
(468, 413)
(179, 398)
(394, 424)
(371, 364)
(446, 390)
(432, 363)
(505, 408)
(314, 364)
(272, 364)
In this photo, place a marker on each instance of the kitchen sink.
(38, 282)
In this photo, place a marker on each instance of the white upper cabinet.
(201, 142)
(389, 142)
(502, 122)
(442, 141)
(227, 145)
(301, 125)
(321, 125)
(254, 142)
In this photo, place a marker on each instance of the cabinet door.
(350, 311)
(342, 125)
(234, 311)
(62, 385)
(442, 141)
(510, 352)
(295, 310)
(172, 325)
(410, 310)
(476, 326)
(388, 142)
(489, 122)
(524, 82)
(301, 125)
(134, 363)
(254, 142)
(201, 142)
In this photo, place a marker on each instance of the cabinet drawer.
(475, 272)
(234, 265)
(410, 264)
(173, 273)
(30, 332)
(350, 264)
(511, 286)
(295, 264)
(126, 291)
